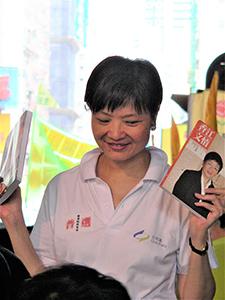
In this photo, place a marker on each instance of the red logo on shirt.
(86, 222)
(82, 222)
(70, 224)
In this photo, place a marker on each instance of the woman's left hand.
(217, 209)
(219, 192)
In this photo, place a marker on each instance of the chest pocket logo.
(141, 236)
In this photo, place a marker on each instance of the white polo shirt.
(143, 243)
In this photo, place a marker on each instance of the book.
(190, 169)
(14, 153)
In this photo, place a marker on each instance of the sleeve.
(184, 252)
(211, 253)
(42, 235)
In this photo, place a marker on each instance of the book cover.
(13, 157)
(199, 164)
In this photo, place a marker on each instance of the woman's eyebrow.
(126, 116)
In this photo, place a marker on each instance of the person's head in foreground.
(72, 282)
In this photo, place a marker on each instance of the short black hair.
(216, 65)
(12, 274)
(214, 156)
(117, 81)
(72, 281)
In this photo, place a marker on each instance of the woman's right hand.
(12, 207)
(12, 217)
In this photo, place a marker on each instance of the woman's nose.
(116, 131)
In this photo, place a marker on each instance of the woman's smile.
(121, 134)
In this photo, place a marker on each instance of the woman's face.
(210, 168)
(121, 134)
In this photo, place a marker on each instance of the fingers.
(214, 198)
(2, 189)
(1, 185)
(207, 197)
(215, 203)
(219, 192)
(218, 210)
(217, 207)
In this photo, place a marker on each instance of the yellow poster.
(166, 139)
(4, 129)
(44, 98)
(197, 104)
(52, 151)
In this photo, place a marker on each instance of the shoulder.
(158, 154)
(191, 173)
(63, 176)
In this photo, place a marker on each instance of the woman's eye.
(103, 120)
(132, 122)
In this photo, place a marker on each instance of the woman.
(109, 213)
(192, 181)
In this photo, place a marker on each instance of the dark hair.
(12, 274)
(118, 81)
(214, 156)
(217, 65)
(72, 282)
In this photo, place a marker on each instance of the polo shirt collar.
(88, 164)
(156, 171)
(158, 166)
